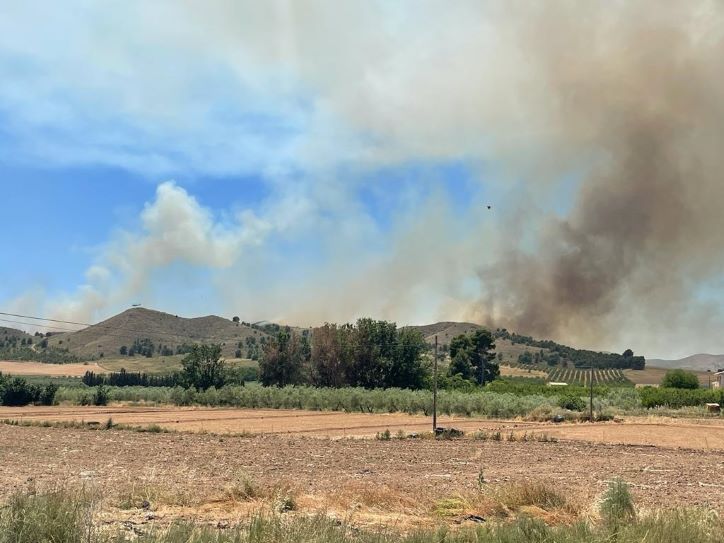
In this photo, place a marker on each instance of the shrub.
(572, 403)
(679, 378)
(18, 392)
(100, 397)
(676, 398)
(617, 507)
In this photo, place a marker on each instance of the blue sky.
(298, 163)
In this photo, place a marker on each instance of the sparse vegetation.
(66, 517)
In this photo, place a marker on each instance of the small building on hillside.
(718, 381)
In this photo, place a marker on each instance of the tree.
(123, 350)
(407, 369)
(235, 319)
(460, 365)
(203, 367)
(479, 346)
(331, 355)
(628, 353)
(525, 358)
(373, 343)
(283, 360)
(680, 379)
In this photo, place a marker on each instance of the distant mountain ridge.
(697, 362)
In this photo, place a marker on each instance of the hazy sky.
(315, 161)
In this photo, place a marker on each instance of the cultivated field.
(704, 434)
(14, 367)
(406, 484)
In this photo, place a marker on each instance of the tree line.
(125, 378)
(580, 358)
(371, 354)
(368, 353)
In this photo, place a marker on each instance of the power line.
(43, 319)
(38, 325)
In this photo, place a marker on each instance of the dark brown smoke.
(635, 98)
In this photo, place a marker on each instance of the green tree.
(460, 365)
(373, 343)
(407, 369)
(203, 367)
(331, 355)
(679, 378)
(283, 360)
(480, 348)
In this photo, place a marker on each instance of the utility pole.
(590, 410)
(434, 391)
(483, 354)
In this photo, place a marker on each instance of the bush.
(18, 392)
(572, 403)
(677, 398)
(100, 397)
(680, 379)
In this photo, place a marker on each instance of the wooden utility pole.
(590, 409)
(434, 391)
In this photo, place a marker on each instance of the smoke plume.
(637, 93)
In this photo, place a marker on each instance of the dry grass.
(49, 370)
(526, 498)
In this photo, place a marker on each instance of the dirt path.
(704, 434)
(15, 367)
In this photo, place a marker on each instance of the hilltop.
(155, 332)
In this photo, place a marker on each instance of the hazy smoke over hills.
(595, 129)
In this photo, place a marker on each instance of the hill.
(10, 333)
(145, 331)
(696, 362)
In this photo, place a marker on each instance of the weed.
(617, 505)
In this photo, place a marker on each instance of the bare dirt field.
(704, 434)
(182, 475)
(14, 367)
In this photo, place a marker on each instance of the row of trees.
(373, 354)
(369, 354)
(125, 378)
